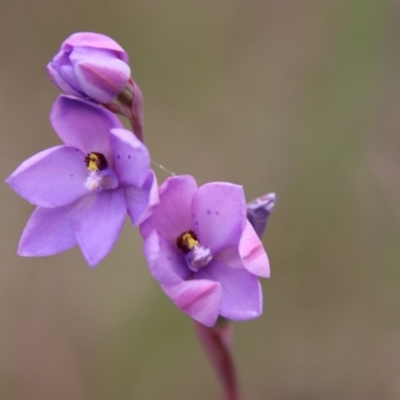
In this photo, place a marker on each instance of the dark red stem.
(129, 104)
(216, 341)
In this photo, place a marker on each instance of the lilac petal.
(51, 178)
(67, 73)
(141, 202)
(172, 216)
(165, 261)
(220, 214)
(241, 291)
(78, 54)
(59, 81)
(230, 257)
(94, 40)
(252, 252)
(102, 78)
(98, 230)
(84, 125)
(131, 158)
(52, 230)
(198, 298)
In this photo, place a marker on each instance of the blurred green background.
(299, 97)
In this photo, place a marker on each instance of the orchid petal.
(219, 212)
(252, 252)
(242, 295)
(172, 216)
(52, 230)
(95, 41)
(84, 125)
(131, 158)
(141, 202)
(102, 78)
(230, 257)
(52, 178)
(67, 73)
(98, 230)
(198, 298)
(165, 260)
(56, 77)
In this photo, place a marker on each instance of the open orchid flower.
(84, 188)
(204, 252)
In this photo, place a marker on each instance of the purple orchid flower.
(204, 252)
(84, 188)
(90, 65)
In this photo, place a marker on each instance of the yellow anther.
(95, 161)
(189, 241)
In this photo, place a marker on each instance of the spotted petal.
(219, 211)
(131, 158)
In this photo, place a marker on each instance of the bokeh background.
(299, 97)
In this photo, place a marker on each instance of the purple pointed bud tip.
(266, 203)
(258, 212)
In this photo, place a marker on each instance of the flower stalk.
(129, 103)
(216, 341)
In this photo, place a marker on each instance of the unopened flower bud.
(90, 65)
(129, 103)
(95, 67)
(258, 212)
